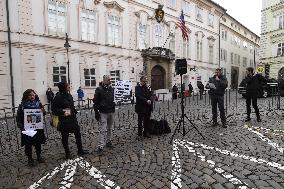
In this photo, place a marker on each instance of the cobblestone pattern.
(147, 163)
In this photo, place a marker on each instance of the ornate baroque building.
(117, 37)
(272, 37)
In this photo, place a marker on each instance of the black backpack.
(159, 127)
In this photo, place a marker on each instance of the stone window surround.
(96, 24)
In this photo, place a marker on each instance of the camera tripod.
(183, 116)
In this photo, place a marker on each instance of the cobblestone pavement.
(244, 155)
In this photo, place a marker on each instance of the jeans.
(218, 100)
(64, 139)
(105, 128)
(29, 150)
(251, 98)
(144, 122)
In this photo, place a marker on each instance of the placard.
(33, 119)
(122, 91)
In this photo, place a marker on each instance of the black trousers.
(64, 140)
(144, 122)
(29, 150)
(251, 98)
(218, 100)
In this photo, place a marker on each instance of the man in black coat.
(144, 106)
(104, 107)
(190, 88)
(174, 91)
(63, 106)
(50, 96)
(217, 85)
(252, 82)
(201, 88)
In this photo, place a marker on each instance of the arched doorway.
(281, 74)
(234, 77)
(157, 78)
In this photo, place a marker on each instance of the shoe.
(109, 145)
(247, 119)
(214, 124)
(31, 162)
(68, 156)
(40, 159)
(82, 152)
(146, 135)
(100, 151)
(258, 119)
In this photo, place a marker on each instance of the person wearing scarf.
(63, 106)
(30, 101)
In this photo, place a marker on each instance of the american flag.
(181, 24)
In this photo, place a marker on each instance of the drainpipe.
(10, 55)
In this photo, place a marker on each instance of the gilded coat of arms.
(159, 13)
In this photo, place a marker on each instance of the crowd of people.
(62, 105)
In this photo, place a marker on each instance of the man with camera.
(252, 82)
(217, 85)
(104, 107)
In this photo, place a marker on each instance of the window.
(198, 14)
(245, 44)
(210, 54)
(185, 49)
(281, 22)
(59, 74)
(172, 45)
(232, 58)
(88, 25)
(251, 63)
(142, 36)
(186, 7)
(199, 50)
(171, 3)
(280, 49)
(235, 58)
(245, 62)
(250, 49)
(114, 30)
(114, 76)
(224, 55)
(90, 78)
(210, 20)
(224, 35)
(56, 17)
(239, 60)
(158, 37)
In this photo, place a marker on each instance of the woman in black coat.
(30, 101)
(63, 106)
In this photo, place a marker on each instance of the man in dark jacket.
(174, 91)
(104, 107)
(143, 106)
(190, 88)
(63, 106)
(201, 88)
(252, 82)
(50, 96)
(217, 85)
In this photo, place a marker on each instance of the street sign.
(260, 69)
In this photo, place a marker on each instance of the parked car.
(269, 87)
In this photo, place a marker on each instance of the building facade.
(272, 38)
(106, 37)
(239, 49)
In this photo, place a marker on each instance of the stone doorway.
(234, 77)
(157, 78)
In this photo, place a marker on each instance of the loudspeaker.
(181, 66)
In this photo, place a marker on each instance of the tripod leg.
(192, 124)
(176, 129)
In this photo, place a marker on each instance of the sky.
(247, 12)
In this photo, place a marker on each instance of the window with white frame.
(211, 20)
(199, 14)
(211, 53)
(185, 49)
(114, 76)
(171, 3)
(224, 55)
(114, 30)
(186, 7)
(88, 25)
(59, 74)
(172, 43)
(90, 77)
(199, 50)
(235, 58)
(245, 44)
(245, 62)
(142, 36)
(281, 22)
(158, 36)
(280, 49)
(56, 17)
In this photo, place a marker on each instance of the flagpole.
(170, 34)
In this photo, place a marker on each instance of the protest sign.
(33, 119)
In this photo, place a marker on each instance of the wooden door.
(157, 78)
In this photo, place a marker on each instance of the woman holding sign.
(32, 131)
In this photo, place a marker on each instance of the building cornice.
(275, 7)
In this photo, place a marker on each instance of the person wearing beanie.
(63, 106)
